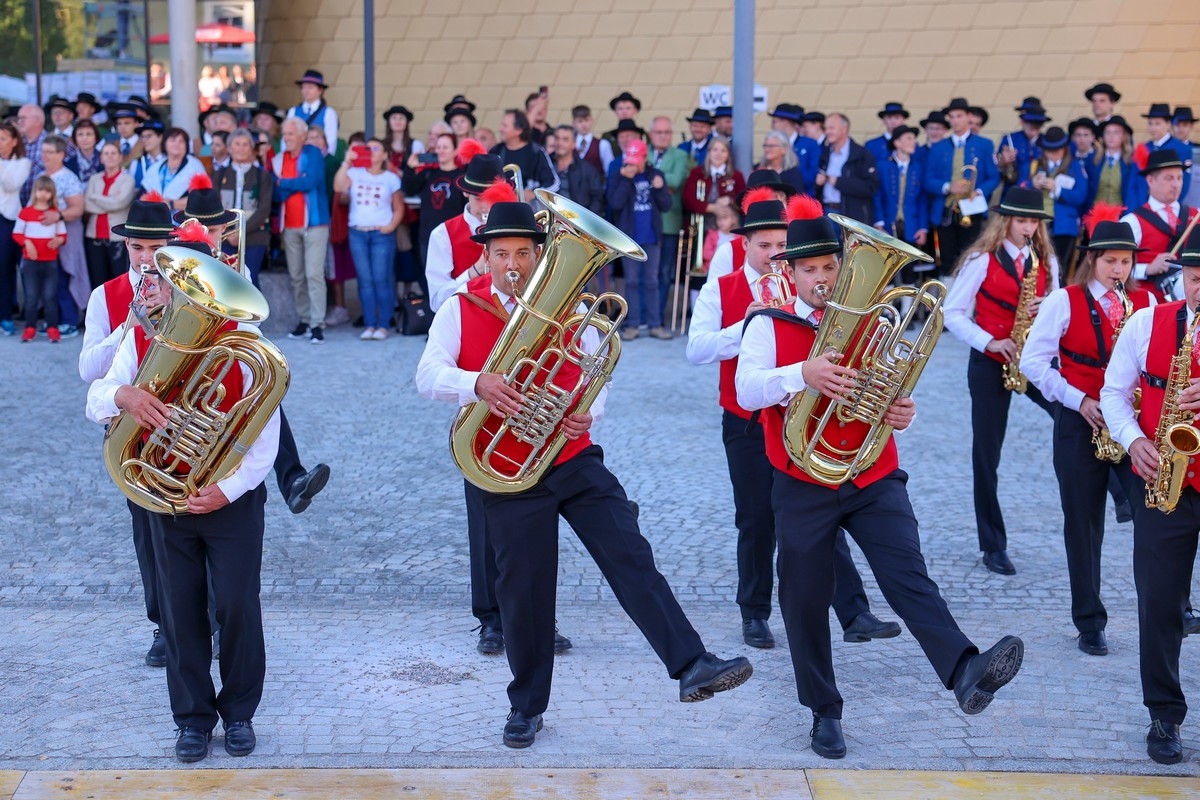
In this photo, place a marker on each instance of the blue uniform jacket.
(916, 207)
(1070, 203)
(1026, 152)
(979, 152)
(808, 151)
(1130, 181)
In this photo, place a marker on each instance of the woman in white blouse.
(14, 171)
(172, 177)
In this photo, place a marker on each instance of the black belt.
(1006, 306)
(1078, 358)
(1153, 381)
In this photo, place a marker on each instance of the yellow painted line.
(9, 780)
(856, 785)
(425, 784)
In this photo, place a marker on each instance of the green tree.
(62, 34)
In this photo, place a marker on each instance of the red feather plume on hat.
(193, 231)
(1141, 155)
(499, 192)
(760, 194)
(803, 207)
(200, 181)
(153, 197)
(468, 149)
(1101, 212)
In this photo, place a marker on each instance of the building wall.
(830, 55)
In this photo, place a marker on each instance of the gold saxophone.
(1176, 438)
(862, 325)
(1107, 448)
(184, 366)
(544, 333)
(1014, 379)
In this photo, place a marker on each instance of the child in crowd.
(40, 243)
(727, 219)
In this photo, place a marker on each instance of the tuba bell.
(863, 327)
(545, 332)
(188, 357)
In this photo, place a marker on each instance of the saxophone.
(1175, 437)
(1014, 379)
(1107, 448)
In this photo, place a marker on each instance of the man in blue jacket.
(1158, 125)
(304, 219)
(944, 178)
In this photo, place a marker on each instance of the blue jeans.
(641, 289)
(373, 254)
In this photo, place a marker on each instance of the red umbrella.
(213, 33)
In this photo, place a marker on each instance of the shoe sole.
(560, 649)
(490, 651)
(1004, 666)
(889, 632)
(831, 754)
(156, 663)
(1094, 651)
(520, 745)
(761, 644)
(1172, 760)
(240, 753)
(191, 759)
(312, 490)
(729, 679)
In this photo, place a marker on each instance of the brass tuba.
(1176, 438)
(184, 366)
(544, 333)
(862, 325)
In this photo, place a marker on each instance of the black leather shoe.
(191, 744)
(986, 672)
(1191, 622)
(866, 626)
(561, 643)
(306, 487)
(156, 656)
(239, 738)
(707, 675)
(827, 740)
(1094, 643)
(521, 729)
(998, 563)
(491, 641)
(1162, 742)
(757, 633)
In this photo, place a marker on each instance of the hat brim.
(782, 186)
(510, 233)
(457, 112)
(1013, 211)
(1115, 96)
(224, 218)
(1056, 145)
(463, 185)
(901, 112)
(823, 247)
(139, 232)
(1159, 167)
(1112, 244)
(391, 113)
(762, 225)
(707, 121)
(303, 81)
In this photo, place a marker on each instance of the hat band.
(145, 229)
(202, 217)
(1020, 211)
(812, 245)
(1102, 244)
(765, 223)
(1190, 254)
(516, 231)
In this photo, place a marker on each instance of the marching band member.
(900, 206)
(453, 258)
(524, 526)
(731, 255)
(991, 278)
(715, 335)
(1158, 124)
(147, 228)
(774, 363)
(1113, 172)
(1103, 98)
(812, 125)
(222, 536)
(893, 115)
(1078, 326)
(1164, 544)
(1021, 148)
(1063, 183)
(1161, 220)
(1084, 149)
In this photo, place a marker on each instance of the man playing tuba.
(776, 363)
(524, 525)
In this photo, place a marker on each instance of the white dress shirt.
(439, 263)
(707, 340)
(760, 383)
(99, 341)
(259, 458)
(1124, 374)
(329, 121)
(837, 160)
(1052, 321)
(961, 300)
(440, 378)
(1135, 222)
(722, 262)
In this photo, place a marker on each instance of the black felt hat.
(398, 110)
(768, 178)
(1028, 103)
(1034, 114)
(510, 220)
(312, 76)
(459, 101)
(701, 115)
(761, 216)
(482, 170)
(900, 131)
(57, 101)
(1115, 119)
(1082, 122)
(90, 99)
(1165, 158)
(1020, 201)
(627, 125)
(205, 206)
(894, 108)
(935, 118)
(1189, 254)
(723, 111)
(1103, 88)
(957, 104)
(122, 111)
(980, 112)
(460, 111)
(625, 96)
(814, 116)
(1112, 235)
(1158, 111)
(1053, 138)
(146, 220)
(222, 108)
(1183, 114)
(269, 108)
(788, 111)
(151, 125)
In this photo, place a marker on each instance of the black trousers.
(143, 546)
(752, 475)
(1083, 481)
(1164, 549)
(989, 422)
(105, 260)
(484, 605)
(229, 543)
(287, 461)
(524, 532)
(881, 520)
(954, 240)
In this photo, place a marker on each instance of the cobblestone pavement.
(371, 661)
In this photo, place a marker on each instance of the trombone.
(689, 263)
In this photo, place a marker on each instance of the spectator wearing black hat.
(125, 124)
(626, 131)
(266, 117)
(700, 125)
(516, 147)
(723, 121)
(1083, 141)
(461, 121)
(812, 125)
(313, 109)
(788, 118)
(1158, 125)
(578, 180)
(150, 137)
(1113, 173)
(893, 115)
(87, 106)
(1104, 99)
(399, 140)
(847, 180)
(1063, 182)
(979, 117)
(62, 116)
(1020, 148)
(626, 107)
(901, 208)
(595, 150)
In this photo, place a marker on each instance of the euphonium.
(963, 219)
(1175, 437)
(543, 333)
(1108, 448)
(1014, 379)
(184, 366)
(864, 328)
(776, 285)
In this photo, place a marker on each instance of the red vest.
(480, 330)
(1165, 336)
(118, 295)
(996, 302)
(464, 251)
(736, 297)
(1155, 240)
(592, 155)
(1080, 340)
(738, 243)
(793, 343)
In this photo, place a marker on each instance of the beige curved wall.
(847, 55)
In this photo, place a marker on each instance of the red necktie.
(768, 296)
(1172, 218)
(1019, 263)
(1115, 310)
(817, 314)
